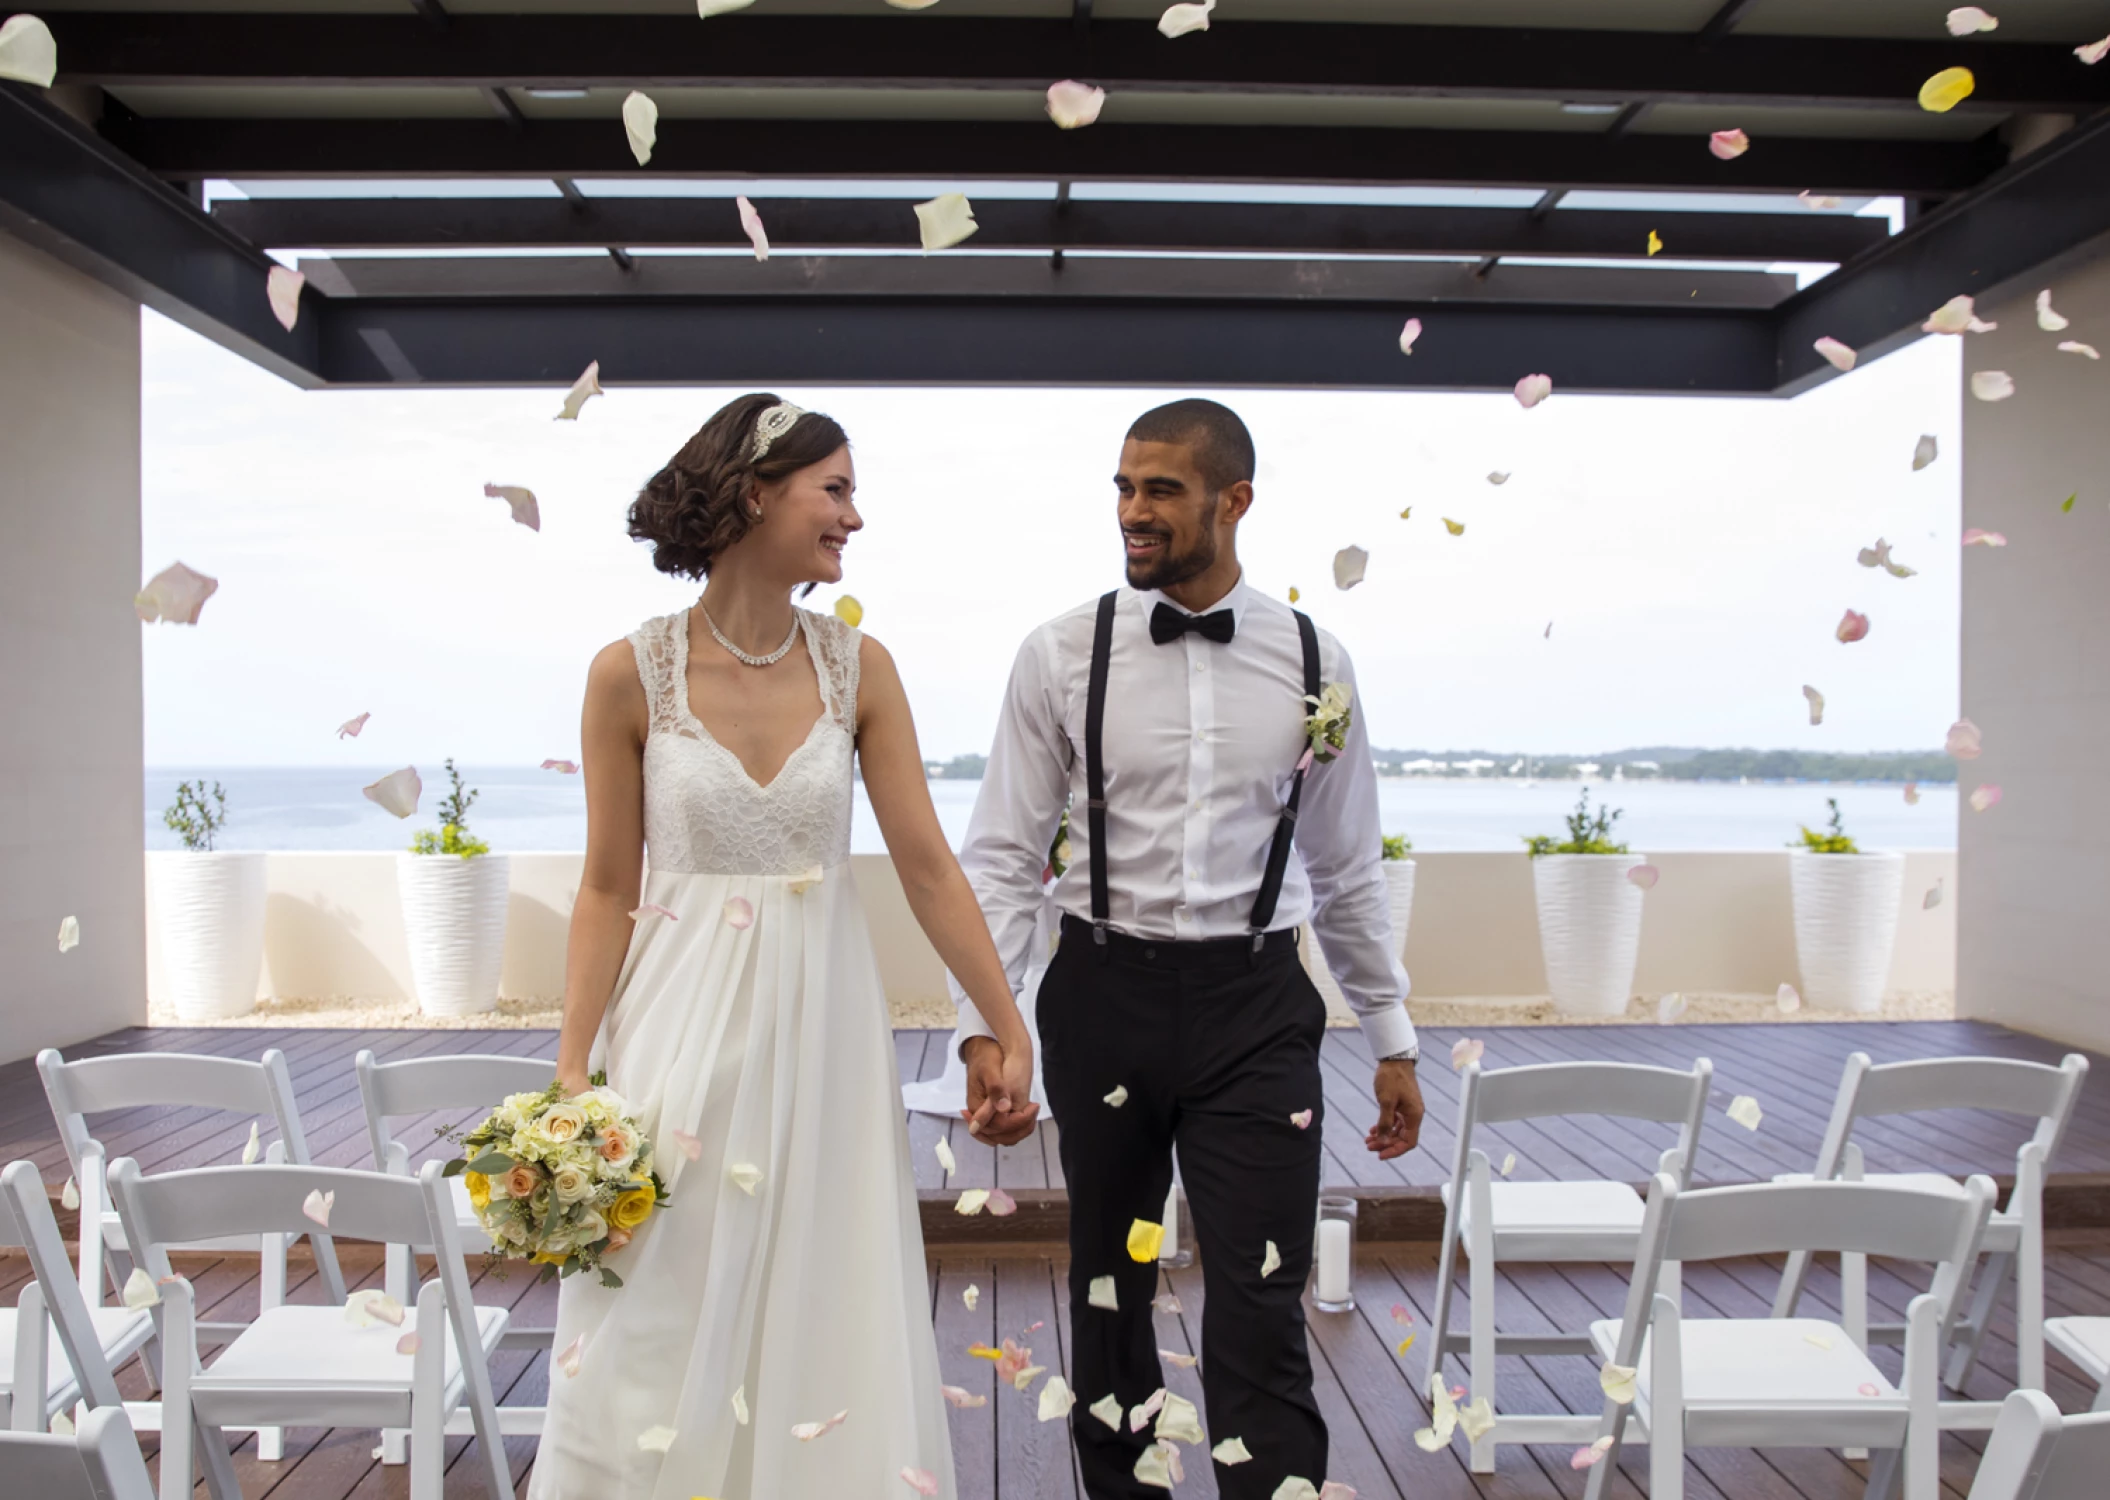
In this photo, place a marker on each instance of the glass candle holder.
(1333, 1263)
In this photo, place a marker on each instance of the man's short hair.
(1223, 449)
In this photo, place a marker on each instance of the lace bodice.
(703, 812)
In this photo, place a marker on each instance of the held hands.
(1398, 1111)
(1000, 1107)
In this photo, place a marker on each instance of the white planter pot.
(1589, 929)
(210, 907)
(454, 920)
(1846, 924)
(1399, 891)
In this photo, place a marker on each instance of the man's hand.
(1000, 1107)
(1398, 1111)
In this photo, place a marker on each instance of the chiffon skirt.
(771, 1045)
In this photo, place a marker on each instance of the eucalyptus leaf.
(492, 1163)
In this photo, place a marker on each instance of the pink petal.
(690, 1146)
(350, 728)
(398, 791)
(1466, 1049)
(1334, 1490)
(751, 225)
(1852, 627)
(739, 913)
(2075, 346)
(1992, 385)
(1954, 316)
(1818, 200)
(922, 1481)
(1838, 354)
(1966, 19)
(1985, 796)
(1787, 999)
(568, 767)
(1728, 144)
(568, 1357)
(1073, 105)
(408, 1344)
(1401, 1316)
(317, 1206)
(653, 909)
(1533, 389)
(1973, 537)
(1165, 1302)
(1869, 1388)
(1964, 740)
(2094, 52)
(174, 595)
(962, 1398)
(525, 511)
(1301, 1119)
(1912, 794)
(1644, 876)
(1001, 1203)
(282, 288)
(1408, 335)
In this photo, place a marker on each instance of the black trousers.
(1217, 1048)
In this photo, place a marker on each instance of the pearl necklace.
(753, 661)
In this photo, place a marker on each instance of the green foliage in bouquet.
(194, 819)
(1586, 834)
(453, 836)
(1059, 847)
(1835, 841)
(1397, 845)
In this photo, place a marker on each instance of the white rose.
(561, 1123)
(588, 1228)
(572, 1183)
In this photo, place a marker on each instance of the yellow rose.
(632, 1208)
(479, 1188)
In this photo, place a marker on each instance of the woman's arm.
(937, 892)
(611, 746)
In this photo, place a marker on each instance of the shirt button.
(1200, 666)
(1150, 953)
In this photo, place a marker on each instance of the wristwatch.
(1410, 1055)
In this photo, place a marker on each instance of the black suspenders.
(1095, 779)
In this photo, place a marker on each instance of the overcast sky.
(1693, 556)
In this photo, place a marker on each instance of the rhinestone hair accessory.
(773, 424)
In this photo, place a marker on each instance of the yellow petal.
(1478, 1419)
(1617, 1382)
(1294, 596)
(1455, 528)
(1946, 89)
(1655, 242)
(983, 1351)
(1404, 1345)
(1745, 1111)
(1407, 514)
(1144, 1241)
(849, 611)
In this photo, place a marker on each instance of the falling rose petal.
(1617, 1382)
(962, 1398)
(690, 1146)
(1816, 701)
(1817, 1340)
(1022, 1380)
(70, 1195)
(849, 611)
(971, 1201)
(174, 595)
(641, 125)
(1296, 1487)
(912, 4)
(971, 1298)
(1165, 1302)
(1056, 1399)
(946, 1162)
(1139, 1416)
(1966, 19)
(1271, 1262)
(1787, 999)
(28, 52)
(2075, 346)
(369, 1305)
(1728, 144)
(1836, 354)
(739, 913)
(1293, 595)
(1002, 1204)
(1348, 566)
(584, 389)
(1670, 1007)
(1101, 1293)
(1852, 627)
(522, 501)
(2047, 319)
(1119, 1096)
(2066, 505)
(1301, 1119)
(1644, 876)
(1108, 1410)
(1498, 478)
(1401, 1316)
(408, 1344)
(1973, 537)
(2094, 52)
(1179, 1421)
(1533, 389)
(1745, 1111)
(922, 1481)
(69, 934)
(1992, 385)
(1549, 630)
(1467, 1049)
(1655, 242)
(1408, 334)
(1178, 1360)
(1404, 1345)
(1231, 1451)
(1868, 1388)
(565, 767)
(1818, 200)
(1955, 316)
(1153, 1464)
(654, 909)
(805, 880)
(349, 729)
(1589, 1457)
(1475, 1421)
(1985, 796)
(745, 1176)
(1455, 528)
(1924, 452)
(656, 1439)
(1509, 1164)
(945, 221)
(1912, 794)
(317, 1206)
(751, 226)
(806, 1432)
(1073, 105)
(568, 1357)
(282, 290)
(709, 8)
(139, 1290)
(1946, 89)
(1178, 20)
(1964, 741)
(1145, 1240)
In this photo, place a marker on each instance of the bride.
(732, 994)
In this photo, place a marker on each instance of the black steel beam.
(64, 190)
(2006, 236)
(308, 148)
(1081, 224)
(1041, 343)
(114, 49)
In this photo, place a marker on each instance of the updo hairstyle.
(697, 506)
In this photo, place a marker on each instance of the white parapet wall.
(1716, 922)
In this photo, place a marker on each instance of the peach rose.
(521, 1180)
(616, 1144)
(618, 1238)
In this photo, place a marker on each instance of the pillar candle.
(1333, 1260)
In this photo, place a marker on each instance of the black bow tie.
(1169, 624)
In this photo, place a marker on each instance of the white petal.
(656, 1439)
(1476, 1421)
(739, 913)
(1119, 1096)
(69, 934)
(2075, 346)
(1912, 794)
(1992, 385)
(1298, 1488)
(805, 880)
(1669, 1008)
(654, 909)
(1178, 20)
(961, 1398)
(1533, 389)
(740, 1414)
(1072, 105)
(806, 1432)
(946, 1163)
(709, 8)
(1617, 1382)
(1964, 740)
(1178, 1360)
(317, 1206)
(349, 729)
(1056, 1399)
(1408, 334)
(1153, 1467)
(2047, 319)
(1816, 700)
(1467, 1049)
(1974, 537)
(370, 1305)
(971, 1201)
(945, 221)
(28, 51)
(525, 511)
(1231, 1451)
(1102, 1294)
(1271, 1262)
(1139, 1416)
(174, 595)
(2094, 52)
(1787, 999)
(140, 1291)
(1348, 566)
(282, 290)
(1165, 1302)
(971, 1298)
(1966, 19)
(1745, 1111)
(1108, 1410)
(1509, 1163)
(1498, 477)
(1924, 452)
(408, 1344)
(641, 125)
(1953, 316)
(746, 1176)
(70, 1195)
(568, 1356)
(1933, 897)
(751, 226)
(563, 767)
(1179, 1421)
(1838, 355)
(587, 386)
(912, 4)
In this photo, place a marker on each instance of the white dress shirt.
(1200, 742)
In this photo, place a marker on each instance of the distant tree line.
(959, 768)
(1688, 763)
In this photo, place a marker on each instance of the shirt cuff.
(971, 1026)
(1387, 1031)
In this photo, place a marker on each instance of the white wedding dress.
(769, 1043)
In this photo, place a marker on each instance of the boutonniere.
(1326, 726)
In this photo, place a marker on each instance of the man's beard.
(1168, 569)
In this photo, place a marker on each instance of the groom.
(1170, 716)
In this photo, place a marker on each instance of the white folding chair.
(44, 1378)
(2085, 1341)
(433, 1085)
(99, 1461)
(2037, 1454)
(1780, 1381)
(2014, 1239)
(309, 1366)
(1546, 1221)
(261, 1090)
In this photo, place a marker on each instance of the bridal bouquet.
(561, 1182)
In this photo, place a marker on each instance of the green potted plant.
(1589, 912)
(1846, 915)
(208, 909)
(453, 890)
